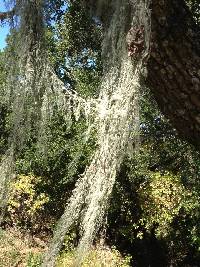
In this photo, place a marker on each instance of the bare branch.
(6, 15)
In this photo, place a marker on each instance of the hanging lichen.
(35, 91)
(116, 116)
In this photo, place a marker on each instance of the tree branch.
(6, 15)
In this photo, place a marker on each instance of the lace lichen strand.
(6, 176)
(115, 114)
(36, 92)
(33, 91)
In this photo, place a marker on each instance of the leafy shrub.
(26, 203)
(162, 199)
(97, 257)
(170, 212)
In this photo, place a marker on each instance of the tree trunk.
(174, 66)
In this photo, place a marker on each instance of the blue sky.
(4, 29)
(3, 33)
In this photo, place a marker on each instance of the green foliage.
(65, 157)
(75, 42)
(53, 10)
(4, 128)
(155, 202)
(162, 199)
(155, 210)
(87, 81)
(26, 202)
(66, 151)
(2, 73)
(75, 36)
(194, 6)
(34, 260)
(4, 109)
(97, 257)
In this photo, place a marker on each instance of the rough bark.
(174, 66)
